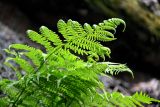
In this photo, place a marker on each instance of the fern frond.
(84, 39)
(104, 36)
(24, 47)
(70, 29)
(3, 102)
(78, 28)
(101, 36)
(88, 28)
(59, 77)
(34, 36)
(120, 100)
(50, 35)
(105, 27)
(26, 66)
(114, 22)
(144, 98)
(63, 29)
(14, 68)
(36, 58)
(116, 68)
(36, 55)
(9, 90)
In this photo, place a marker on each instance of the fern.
(58, 77)
(118, 99)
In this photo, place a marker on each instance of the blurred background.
(138, 46)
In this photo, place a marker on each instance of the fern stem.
(45, 60)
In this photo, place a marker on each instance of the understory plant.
(66, 73)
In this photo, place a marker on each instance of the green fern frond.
(64, 30)
(26, 66)
(144, 98)
(82, 40)
(114, 22)
(36, 55)
(120, 100)
(24, 47)
(104, 36)
(36, 58)
(116, 68)
(34, 36)
(72, 31)
(59, 77)
(50, 35)
(88, 28)
(78, 28)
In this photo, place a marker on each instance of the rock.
(152, 5)
(7, 37)
(13, 25)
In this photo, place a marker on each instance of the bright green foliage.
(58, 77)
